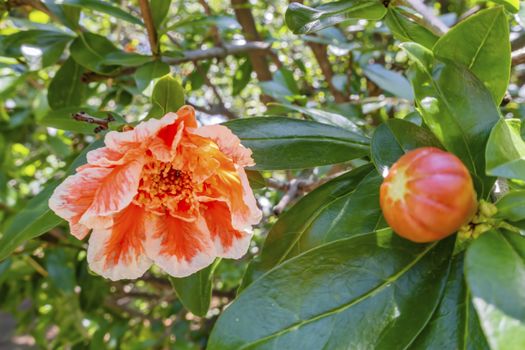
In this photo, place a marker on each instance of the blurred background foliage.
(235, 59)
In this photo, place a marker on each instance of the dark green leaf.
(392, 82)
(90, 51)
(506, 150)
(104, 7)
(394, 138)
(512, 206)
(374, 291)
(61, 270)
(167, 96)
(345, 206)
(159, 11)
(67, 89)
(481, 42)
(495, 271)
(454, 324)
(50, 43)
(242, 77)
(127, 59)
(68, 15)
(302, 19)
(256, 179)
(285, 143)
(36, 218)
(405, 29)
(457, 108)
(150, 71)
(195, 291)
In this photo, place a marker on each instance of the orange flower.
(167, 192)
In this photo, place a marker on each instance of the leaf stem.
(150, 27)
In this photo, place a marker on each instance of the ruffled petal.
(143, 132)
(115, 191)
(228, 143)
(179, 247)
(229, 242)
(72, 198)
(118, 252)
(253, 214)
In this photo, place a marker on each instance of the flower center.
(163, 187)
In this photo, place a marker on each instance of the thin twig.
(150, 27)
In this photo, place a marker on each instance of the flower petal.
(115, 191)
(147, 130)
(118, 252)
(72, 198)
(228, 143)
(229, 242)
(179, 247)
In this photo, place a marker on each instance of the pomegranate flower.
(167, 192)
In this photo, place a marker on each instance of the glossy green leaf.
(67, 89)
(36, 218)
(255, 179)
(374, 290)
(512, 206)
(104, 7)
(49, 45)
(457, 108)
(285, 143)
(511, 5)
(481, 42)
(167, 96)
(394, 138)
(150, 71)
(345, 206)
(505, 152)
(90, 50)
(323, 117)
(242, 77)
(195, 290)
(159, 11)
(127, 59)
(495, 273)
(405, 29)
(68, 15)
(302, 19)
(392, 82)
(454, 324)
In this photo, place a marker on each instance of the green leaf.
(61, 270)
(62, 119)
(194, 291)
(36, 218)
(256, 179)
(512, 206)
(505, 152)
(323, 117)
(150, 71)
(285, 143)
(454, 324)
(392, 82)
(511, 5)
(495, 273)
(67, 89)
(394, 138)
(242, 77)
(302, 19)
(127, 59)
(68, 15)
(167, 96)
(345, 206)
(457, 108)
(104, 7)
(90, 51)
(159, 11)
(405, 29)
(374, 291)
(50, 43)
(481, 42)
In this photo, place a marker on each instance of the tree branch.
(150, 27)
(518, 56)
